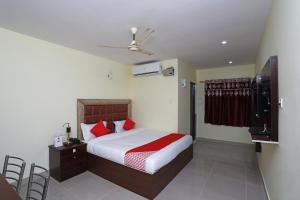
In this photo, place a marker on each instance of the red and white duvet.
(117, 146)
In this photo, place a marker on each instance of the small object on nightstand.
(66, 162)
(58, 141)
(68, 131)
(75, 140)
(72, 141)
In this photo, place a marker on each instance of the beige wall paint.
(189, 74)
(39, 84)
(280, 164)
(155, 99)
(226, 133)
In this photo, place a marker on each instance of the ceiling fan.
(135, 45)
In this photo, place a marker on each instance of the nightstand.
(66, 162)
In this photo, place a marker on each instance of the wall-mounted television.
(264, 101)
(261, 96)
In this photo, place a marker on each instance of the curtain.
(228, 102)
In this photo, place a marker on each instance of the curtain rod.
(226, 79)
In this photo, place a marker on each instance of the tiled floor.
(218, 171)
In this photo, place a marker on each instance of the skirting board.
(264, 182)
(222, 141)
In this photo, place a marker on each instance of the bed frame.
(147, 185)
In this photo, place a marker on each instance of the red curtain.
(228, 102)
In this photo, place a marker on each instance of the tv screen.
(264, 101)
(261, 96)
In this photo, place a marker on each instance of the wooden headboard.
(90, 111)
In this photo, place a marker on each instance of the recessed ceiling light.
(230, 62)
(224, 42)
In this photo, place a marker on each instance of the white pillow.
(86, 131)
(119, 126)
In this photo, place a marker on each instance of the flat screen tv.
(261, 87)
(264, 101)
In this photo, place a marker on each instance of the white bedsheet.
(114, 146)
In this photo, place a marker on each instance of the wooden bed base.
(144, 184)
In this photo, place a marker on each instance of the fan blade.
(149, 53)
(147, 34)
(115, 47)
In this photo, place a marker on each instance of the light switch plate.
(109, 75)
(280, 102)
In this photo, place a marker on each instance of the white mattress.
(114, 146)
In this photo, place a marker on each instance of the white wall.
(280, 164)
(155, 99)
(189, 74)
(39, 84)
(226, 133)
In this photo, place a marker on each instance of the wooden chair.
(13, 171)
(38, 183)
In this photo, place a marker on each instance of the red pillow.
(99, 129)
(129, 124)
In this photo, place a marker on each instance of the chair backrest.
(13, 171)
(38, 183)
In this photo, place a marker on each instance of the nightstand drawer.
(74, 164)
(73, 151)
(73, 161)
(73, 157)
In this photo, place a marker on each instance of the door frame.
(193, 116)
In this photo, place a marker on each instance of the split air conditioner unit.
(147, 69)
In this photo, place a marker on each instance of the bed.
(106, 154)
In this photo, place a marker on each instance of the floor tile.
(229, 170)
(218, 187)
(180, 191)
(256, 192)
(253, 176)
(123, 194)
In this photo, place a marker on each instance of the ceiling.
(191, 30)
